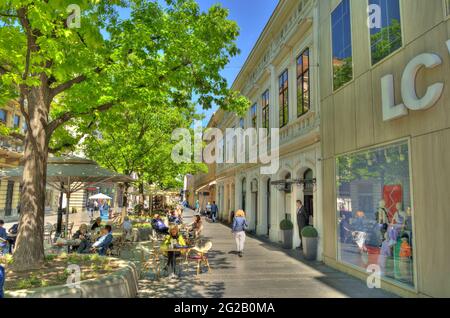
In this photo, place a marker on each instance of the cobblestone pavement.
(265, 271)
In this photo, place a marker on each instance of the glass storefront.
(374, 211)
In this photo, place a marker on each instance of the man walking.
(214, 211)
(302, 220)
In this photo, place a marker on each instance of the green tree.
(60, 74)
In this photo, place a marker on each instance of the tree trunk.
(29, 249)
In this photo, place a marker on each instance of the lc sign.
(408, 88)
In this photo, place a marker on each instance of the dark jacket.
(302, 217)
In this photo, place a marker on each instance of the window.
(342, 44)
(284, 98)
(16, 121)
(374, 211)
(303, 101)
(254, 114)
(388, 38)
(447, 7)
(3, 115)
(24, 126)
(241, 123)
(265, 110)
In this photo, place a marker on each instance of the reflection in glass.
(303, 87)
(283, 98)
(342, 44)
(374, 211)
(388, 38)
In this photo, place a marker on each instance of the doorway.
(308, 195)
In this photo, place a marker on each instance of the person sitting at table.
(104, 242)
(83, 236)
(196, 227)
(173, 217)
(158, 225)
(3, 239)
(171, 241)
(12, 235)
(127, 228)
(97, 224)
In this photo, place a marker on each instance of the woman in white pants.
(238, 229)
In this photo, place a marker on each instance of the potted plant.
(287, 228)
(310, 240)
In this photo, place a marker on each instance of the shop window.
(387, 38)
(341, 44)
(303, 81)
(3, 116)
(265, 110)
(283, 98)
(374, 211)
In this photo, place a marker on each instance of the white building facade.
(280, 78)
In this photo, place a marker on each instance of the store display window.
(374, 211)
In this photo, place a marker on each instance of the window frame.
(4, 121)
(393, 52)
(301, 77)
(283, 95)
(18, 121)
(254, 115)
(446, 9)
(352, 48)
(265, 105)
(407, 141)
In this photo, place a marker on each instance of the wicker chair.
(201, 255)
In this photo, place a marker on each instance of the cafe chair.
(153, 262)
(48, 232)
(201, 255)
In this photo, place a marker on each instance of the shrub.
(286, 225)
(309, 231)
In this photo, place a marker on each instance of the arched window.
(308, 178)
(244, 192)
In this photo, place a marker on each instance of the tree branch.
(65, 117)
(67, 85)
(3, 70)
(7, 15)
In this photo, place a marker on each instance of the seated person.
(158, 225)
(173, 218)
(83, 236)
(104, 241)
(4, 249)
(97, 224)
(196, 227)
(127, 227)
(12, 235)
(174, 239)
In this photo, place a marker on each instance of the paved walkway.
(265, 271)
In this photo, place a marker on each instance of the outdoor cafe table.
(180, 249)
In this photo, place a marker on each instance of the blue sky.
(251, 16)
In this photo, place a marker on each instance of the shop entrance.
(308, 195)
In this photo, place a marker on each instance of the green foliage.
(286, 225)
(386, 41)
(309, 231)
(342, 73)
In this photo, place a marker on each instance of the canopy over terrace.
(69, 175)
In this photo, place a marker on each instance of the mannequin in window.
(400, 217)
(382, 213)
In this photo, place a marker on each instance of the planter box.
(123, 283)
(310, 248)
(287, 239)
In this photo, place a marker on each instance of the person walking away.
(91, 209)
(302, 220)
(214, 211)
(238, 230)
(3, 239)
(197, 206)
